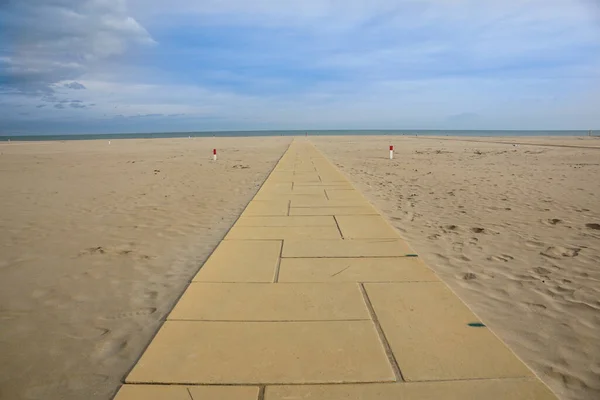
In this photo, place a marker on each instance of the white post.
(214, 154)
(391, 152)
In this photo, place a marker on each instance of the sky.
(103, 66)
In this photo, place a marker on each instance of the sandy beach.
(513, 230)
(97, 242)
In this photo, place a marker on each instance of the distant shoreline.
(166, 135)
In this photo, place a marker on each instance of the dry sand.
(514, 231)
(97, 242)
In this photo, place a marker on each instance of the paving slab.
(307, 190)
(332, 178)
(180, 392)
(271, 302)
(241, 261)
(323, 202)
(345, 248)
(305, 177)
(493, 389)
(283, 232)
(289, 195)
(266, 207)
(195, 352)
(331, 185)
(341, 194)
(350, 210)
(429, 333)
(320, 220)
(396, 269)
(279, 176)
(365, 227)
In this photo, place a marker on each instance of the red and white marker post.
(391, 152)
(214, 154)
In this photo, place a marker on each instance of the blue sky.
(78, 66)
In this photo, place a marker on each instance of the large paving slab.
(343, 194)
(305, 177)
(507, 389)
(365, 227)
(320, 220)
(309, 189)
(429, 333)
(189, 352)
(283, 232)
(323, 202)
(339, 185)
(241, 261)
(345, 248)
(289, 195)
(268, 302)
(180, 392)
(396, 269)
(266, 207)
(348, 210)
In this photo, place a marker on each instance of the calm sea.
(291, 133)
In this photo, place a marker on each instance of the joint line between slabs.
(382, 338)
(338, 227)
(189, 393)
(278, 264)
(261, 392)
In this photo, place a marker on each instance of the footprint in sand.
(536, 306)
(533, 243)
(109, 348)
(469, 276)
(542, 271)
(87, 333)
(502, 257)
(552, 221)
(132, 314)
(557, 252)
(477, 230)
(593, 226)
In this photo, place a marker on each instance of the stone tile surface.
(397, 269)
(194, 352)
(345, 248)
(180, 392)
(321, 220)
(428, 331)
(339, 194)
(241, 261)
(271, 302)
(365, 227)
(509, 389)
(283, 232)
(350, 210)
(316, 202)
(266, 207)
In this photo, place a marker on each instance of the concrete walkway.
(313, 295)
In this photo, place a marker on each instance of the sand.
(97, 242)
(513, 230)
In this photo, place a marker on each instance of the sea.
(412, 132)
